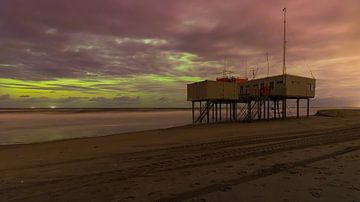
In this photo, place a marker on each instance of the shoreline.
(173, 162)
(94, 110)
(149, 131)
(169, 128)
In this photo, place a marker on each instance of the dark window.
(311, 87)
(271, 85)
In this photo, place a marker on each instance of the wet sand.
(311, 159)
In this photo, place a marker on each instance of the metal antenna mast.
(246, 68)
(268, 65)
(284, 50)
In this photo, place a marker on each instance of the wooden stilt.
(264, 109)
(278, 108)
(226, 111)
(268, 109)
(193, 113)
(207, 111)
(200, 110)
(212, 113)
(235, 111)
(249, 111)
(216, 111)
(297, 108)
(282, 109)
(274, 109)
(220, 110)
(308, 107)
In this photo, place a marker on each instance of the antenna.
(246, 68)
(224, 67)
(268, 68)
(268, 65)
(284, 50)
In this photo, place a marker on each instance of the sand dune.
(311, 159)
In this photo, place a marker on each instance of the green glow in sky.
(182, 61)
(148, 87)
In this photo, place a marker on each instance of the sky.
(142, 53)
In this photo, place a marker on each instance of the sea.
(24, 126)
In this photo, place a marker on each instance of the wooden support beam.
(278, 108)
(220, 110)
(230, 114)
(274, 109)
(297, 108)
(308, 107)
(216, 111)
(200, 109)
(212, 109)
(193, 113)
(226, 111)
(249, 111)
(235, 111)
(268, 109)
(264, 109)
(207, 111)
(284, 108)
(259, 109)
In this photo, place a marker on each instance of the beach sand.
(307, 159)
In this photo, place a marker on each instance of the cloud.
(126, 100)
(4, 97)
(88, 40)
(70, 39)
(71, 99)
(119, 101)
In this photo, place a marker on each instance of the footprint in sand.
(198, 200)
(210, 172)
(186, 173)
(241, 172)
(293, 171)
(315, 192)
(227, 188)
(129, 198)
(355, 188)
(195, 184)
(159, 180)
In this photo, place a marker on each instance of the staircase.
(204, 110)
(244, 114)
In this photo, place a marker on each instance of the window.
(279, 82)
(310, 87)
(271, 85)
